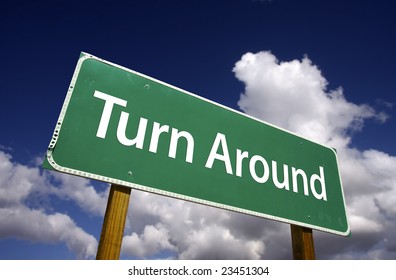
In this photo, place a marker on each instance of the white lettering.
(259, 168)
(239, 158)
(252, 168)
(225, 157)
(295, 173)
(321, 180)
(121, 132)
(106, 114)
(157, 131)
(175, 139)
(285, 183)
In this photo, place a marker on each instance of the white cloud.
(219, 242)
(23, 215)
(153, 240)
(17, 181)
(188, 230)
(81, 191)
(294, 95)
(35, 225)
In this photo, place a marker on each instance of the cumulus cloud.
(153, 240)
(81, 191)
(38, 226)
(294, 95)
(219, 242)
(188, 231)
(25, 193)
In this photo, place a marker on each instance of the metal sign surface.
(122, 127)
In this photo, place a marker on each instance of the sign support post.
(302, 243)
(109, 247)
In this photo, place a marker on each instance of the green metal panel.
(206, 168)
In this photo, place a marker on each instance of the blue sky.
(345, 48)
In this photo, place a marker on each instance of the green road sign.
(122, 127)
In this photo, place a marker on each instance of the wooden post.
(113, 224)
(302, 243)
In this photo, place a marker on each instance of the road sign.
(125, 128)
